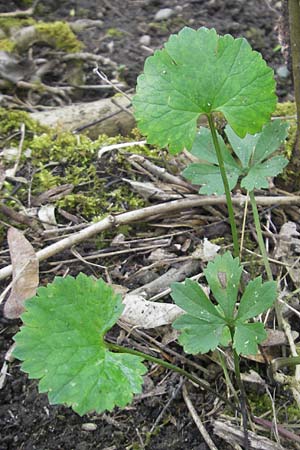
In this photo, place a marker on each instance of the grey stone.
(283, 71)
(145, 39)
(164, 14)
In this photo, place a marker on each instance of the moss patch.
(58, 158)
(59, 35)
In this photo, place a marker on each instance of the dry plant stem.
(166, 406)
(281, 430)
(161, 362)
(242, 393)
(143, 214)
(22, 13)
(236, 248)
(294, 25)
(233, 435)
(264, 253)
(197, 419)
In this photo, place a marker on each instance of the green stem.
(236, 249)
(161, 362)
(227, 377)
(277, 363)
(263, 252)
(260, 236)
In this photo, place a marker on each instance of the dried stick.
(197, 419)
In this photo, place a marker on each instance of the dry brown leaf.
(146, 314)
(25, 273)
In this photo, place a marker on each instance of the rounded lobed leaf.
(62, 344)
(200, 72)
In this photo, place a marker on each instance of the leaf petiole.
(174, 368)
(236, 248)
(263, 252)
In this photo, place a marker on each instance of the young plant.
(205, 325)
(62, 344)
(252, 165)
(196, 73)
(62, 340)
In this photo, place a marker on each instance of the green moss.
(7, 24)
(288, 110)
(114, 32)
(259, 403)
(59, 35)
(285, 109)
(6, 45)
(11, 120)
(58, 158)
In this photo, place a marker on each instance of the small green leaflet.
(247, 336)
(199, 72)
(254, 164)
(208, 173)
(205, 325)
(256, 299)
(61, 344)
(223, 276)
(202, 327)
(260, 165)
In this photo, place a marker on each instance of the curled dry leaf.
(25, 273)
(145, 314)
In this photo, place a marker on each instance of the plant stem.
(242, 392)
(234, 233)
(260, 236)
(161, 362)
(294, 26)
(263, 252)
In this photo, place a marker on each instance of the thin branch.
(197, 419)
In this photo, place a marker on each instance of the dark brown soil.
(27, 421)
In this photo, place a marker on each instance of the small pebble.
(164, 14)
(282, 71)
(145, 39)
(89, 426)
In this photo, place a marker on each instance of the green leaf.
(258, 174)
(202, 327)
(207, 172)
(257, 298)
(247, 336)
(223, 276)
(254, 151)
(270, 139)
(243, 147)
(61, 343)
(190, 297)
(199, 72)
(199, 336)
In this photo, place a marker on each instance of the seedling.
(62, 342)
(206, 325)
(199, 72)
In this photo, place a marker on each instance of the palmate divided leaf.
(254, 163)
(200, 72)
(204, 324)
(61, 344)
